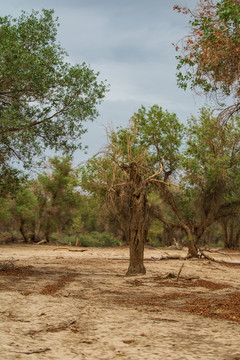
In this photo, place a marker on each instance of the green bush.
(64, 239)
(95, 239)
(86, 240)
(155, 242)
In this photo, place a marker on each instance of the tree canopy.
(210, 170)
(137, 158)
(210, 54)
(43, 98)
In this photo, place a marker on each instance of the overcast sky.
(130, 43)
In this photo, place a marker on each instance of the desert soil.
(61, 304)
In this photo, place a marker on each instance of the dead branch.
(158, 173)
(174, 277)
(228, 112)
(44, 241)
(207, 256)
(215, 252)
(61, 327)
(157, 212)
(70, 322)
(38, 351)
(180, 270)
(65, 248)
(173, 257)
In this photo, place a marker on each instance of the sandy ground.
(60, 304)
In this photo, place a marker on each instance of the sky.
(130, 43)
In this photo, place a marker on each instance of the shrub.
(92, 239)
(95, 239)
(155, 242)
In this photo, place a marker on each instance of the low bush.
(155, 242)
(95, 239)
(92, 239)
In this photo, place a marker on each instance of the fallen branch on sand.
(211, 258)
(60, 327)
(44, 241)
(65, 248)
(203, 254)
(167, 256)
(38, 351)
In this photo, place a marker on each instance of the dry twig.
(180, 270)
(65, 248)
(38, 351)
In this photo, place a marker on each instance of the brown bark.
(22, 231)
(47, 236)
(139, 219)
(138, 230)
(231, 235)
(168, 236)
(192, 249)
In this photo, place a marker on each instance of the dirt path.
(79, 305)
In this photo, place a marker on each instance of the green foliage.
(152, 138)
(58, 196)
(5, 213)
(95, 239)
(96, 175)
(77, 223)
(43, 99)
(155, 233)
(211, 157)
(161, 132)
(88, 212)
(25, 205)
(210, 169)
(10, 179)
(53, 207)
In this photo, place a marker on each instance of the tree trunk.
(231, 237)
(37, 227)
(234, 234)
(225, 231)
(137, 239)
(237, 242)
(192, 249)
(22, 231)
(168, 236)
(47, 232)
(139, 221)
(47, 236)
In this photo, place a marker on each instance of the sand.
(60, 304)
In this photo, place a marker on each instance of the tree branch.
(35, 123)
